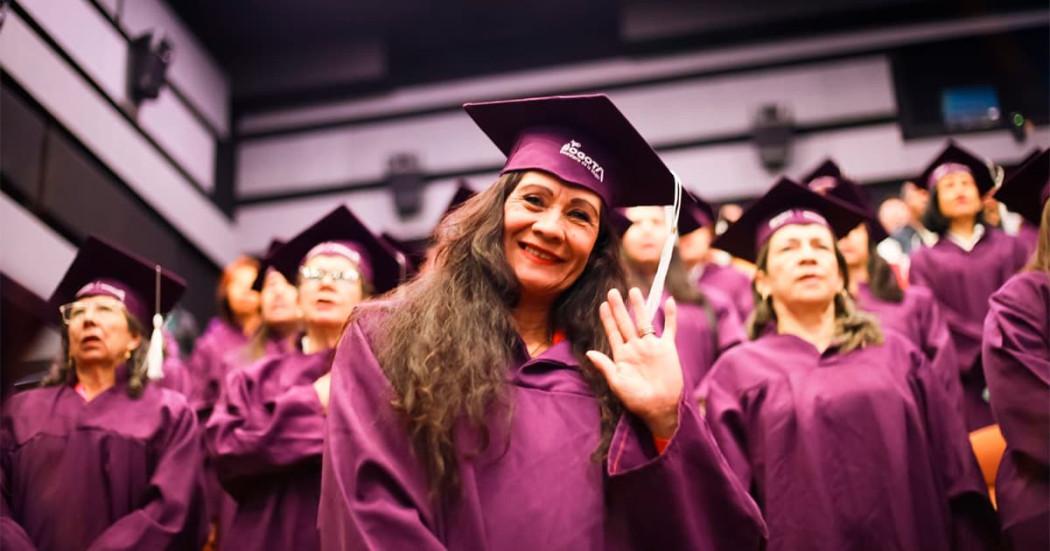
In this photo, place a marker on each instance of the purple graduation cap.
(957, 159)
(786, 203)
(266, 263)
(1028, 189)
(827, 180)
(142, 286)
(696, 213)
(340, 233)
(582, 140)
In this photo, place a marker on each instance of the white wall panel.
(192, 70)
(111, 138)
(31, 253)
(664, 113)
(181, 135)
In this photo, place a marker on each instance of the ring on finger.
(645, 332)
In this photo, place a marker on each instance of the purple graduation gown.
(699, 346)
(918, 318)
(731, 282)
(848, 451)
(265, 438)
(962, 282)
(536, 486)
(1016, 355)
(113, 473)
(207, 366)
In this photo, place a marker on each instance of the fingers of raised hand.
(641, 317)
(627, 328)
(670, 319)
(612, 331)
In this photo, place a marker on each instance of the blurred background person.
(708, 268)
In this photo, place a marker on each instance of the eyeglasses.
(76, 311)
(317, 274)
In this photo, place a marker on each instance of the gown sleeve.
(259, 428)
(938, 346)
(1016, 352)
(172, 516)
(687, 497)
(973, 520)
(374, 493)
(12, 535)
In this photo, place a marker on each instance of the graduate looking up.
(707, 323)
(1016, 354)
(507, 398)
(844, 434)
(966, 265)
(265, 436)
(873, 285)
(101, 457)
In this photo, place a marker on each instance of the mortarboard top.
(954, 158)
(340, 233)
(786, 203)
(696, 213)
(582, 140)
(103, 269)
(1027, 190)
(828, 181)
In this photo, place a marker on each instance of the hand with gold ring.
(644, 371)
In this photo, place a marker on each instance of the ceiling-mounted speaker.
(772, 132)
(406, 181)
(148, 65)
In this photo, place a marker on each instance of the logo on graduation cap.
(101, 287)
(572, 150)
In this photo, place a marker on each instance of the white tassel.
(652, 301)
(155, 356)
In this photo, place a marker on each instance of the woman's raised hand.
(644, 371)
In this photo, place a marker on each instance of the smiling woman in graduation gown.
(481, 408)
(844, 435)
(266, 433)
(1016, 354)
(911, 312)
(100, 458)
(968, 263)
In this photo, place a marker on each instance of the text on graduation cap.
(573, 151)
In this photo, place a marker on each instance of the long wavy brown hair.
(447, 345)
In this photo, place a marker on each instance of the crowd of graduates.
(587, 356)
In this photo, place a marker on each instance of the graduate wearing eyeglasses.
(101, 456)
(266, 434)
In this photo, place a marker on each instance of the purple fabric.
(730, 282)
(113, 473)
(571, 157)
(787, 218)
(1016, 353)
(918, 319)
(848, 451)
(536, 486)
(962, 282)
(206, 365)
(698, 345)
(265, 438)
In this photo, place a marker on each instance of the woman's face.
(957, 195)
(242, 299)
(694, 246)
(549, 231)
(644, 240)
(98, 331)
(278, 300)
(329, 294)
(801, 269)
(854, 247)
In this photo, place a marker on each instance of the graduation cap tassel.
(652, 302)
(155, 357)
